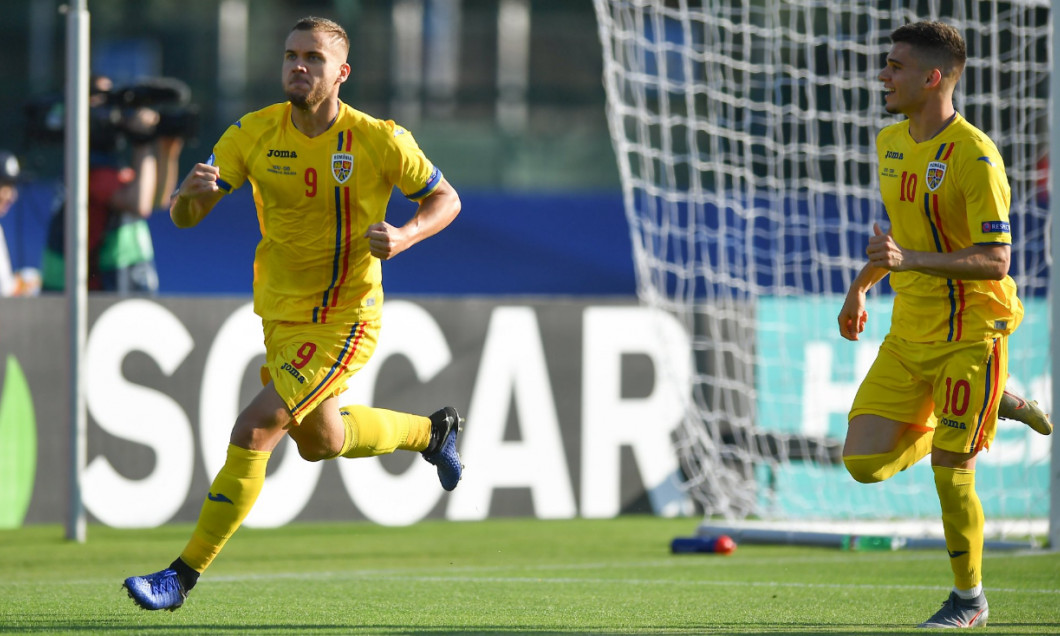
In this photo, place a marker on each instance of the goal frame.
(1051, 231)
(1054, 279)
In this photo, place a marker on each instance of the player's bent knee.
(312, 452)
(867, 469)
(312, 455)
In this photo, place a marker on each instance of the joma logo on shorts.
(953, 423)
(293, 371)
(283, 154)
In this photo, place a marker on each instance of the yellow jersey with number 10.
(315, 198)
(942, 195)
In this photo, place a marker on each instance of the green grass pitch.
(505, 576)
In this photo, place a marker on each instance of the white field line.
(540, 580)
(481, 575)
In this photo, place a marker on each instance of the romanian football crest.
(936, 171)
(341, 166)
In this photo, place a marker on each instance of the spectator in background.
(120, 198)
(12, 283)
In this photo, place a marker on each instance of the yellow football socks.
(962, 523)
(912, 446)
(231, 496)
(371, 431)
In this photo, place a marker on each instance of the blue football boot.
(161, 590)
(445, 424)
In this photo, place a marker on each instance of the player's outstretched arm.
(434, 214)
(196, 196)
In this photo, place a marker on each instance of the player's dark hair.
(940, 44)
(313, 23)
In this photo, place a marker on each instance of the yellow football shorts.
(953, 387)
(310, 362)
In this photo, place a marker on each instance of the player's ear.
(933, 78)
(344, 73)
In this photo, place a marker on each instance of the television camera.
(112, 114)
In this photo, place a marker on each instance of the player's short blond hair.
(314, 23)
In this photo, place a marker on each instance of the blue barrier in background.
(501, 243)
(548, 244)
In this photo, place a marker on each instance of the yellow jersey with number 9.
(315, 198)
(943, 195)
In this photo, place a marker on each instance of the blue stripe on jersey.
(432, 181)
(939, 153)
(339, 148)
(953, 307)
(931, 222)
(338, 246)
(338, 237)
(334, 368)
(938, 248)
(986, 395)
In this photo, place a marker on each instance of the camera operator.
(12, 283)
(120, 197)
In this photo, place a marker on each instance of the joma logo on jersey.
(293, 371)
(282, 154)
(341, 166)
(893, 154)
(953, 423)
(936, 172)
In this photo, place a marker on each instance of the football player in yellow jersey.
(321, 174)
(938, 381)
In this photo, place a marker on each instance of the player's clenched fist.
(202, 178)
(385, 241)
(197, 194)
(883, 251)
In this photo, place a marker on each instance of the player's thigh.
(968, 387)
(870, 434)
(893, 391)
(309, 363)
(262, 423)
(321, 433)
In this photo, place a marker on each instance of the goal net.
(744, 132)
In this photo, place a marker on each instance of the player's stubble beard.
(316, 94)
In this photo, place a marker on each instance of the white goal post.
(744, 132)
